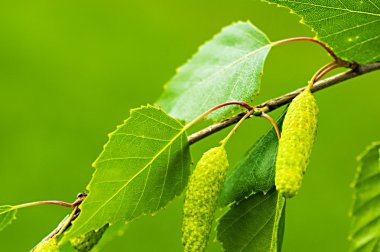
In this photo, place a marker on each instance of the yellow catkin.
(298, 134)
(201, 199)
(87, 241)
(50, 245)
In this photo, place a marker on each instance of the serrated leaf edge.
(301, 21)
(359, 158)
(278, 215)
(182, 131)
(232, 111)
(6, 212)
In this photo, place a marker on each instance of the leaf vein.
(361, 43)
(351, 28)
(166, 175)
(334, 8)
(224, 68)
(145, 137)
(133, 177)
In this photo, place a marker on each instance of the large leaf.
(256, 170)
(349, 28)
(254, 225)
(7, 215)
(227, 68)
(143, 166)
(365, 226)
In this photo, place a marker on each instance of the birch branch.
(278, 102)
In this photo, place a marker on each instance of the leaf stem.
(273, 122)
(282, 100)
(241, 103)
(77, 202)
(67, 223)
(328, 49)
(320, 71)
(327, 70)
(47, 202)
(338, 62)
(225, 140)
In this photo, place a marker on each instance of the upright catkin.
(202, 193)
(85, 242)
(294, 149)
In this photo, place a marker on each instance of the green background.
(71, 70)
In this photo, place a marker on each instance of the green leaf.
(227, 68)
(254, 225)
(349, 28)
(144, 165)
(86, 242)
(365, 213)
(7, 215)
(256, 170)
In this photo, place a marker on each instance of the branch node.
(273, 104)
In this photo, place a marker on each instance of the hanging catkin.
(298, 134)
(201, 199)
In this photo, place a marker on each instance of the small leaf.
(256, 170)
(7, 215)
(254, 225)
(365, 213)
(89, 240)
(144, 165)
(349, 28)
(227, 68)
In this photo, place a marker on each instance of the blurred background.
(71, 70)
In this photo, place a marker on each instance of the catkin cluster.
(298, 134)
(201, 199)
(87, 241)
